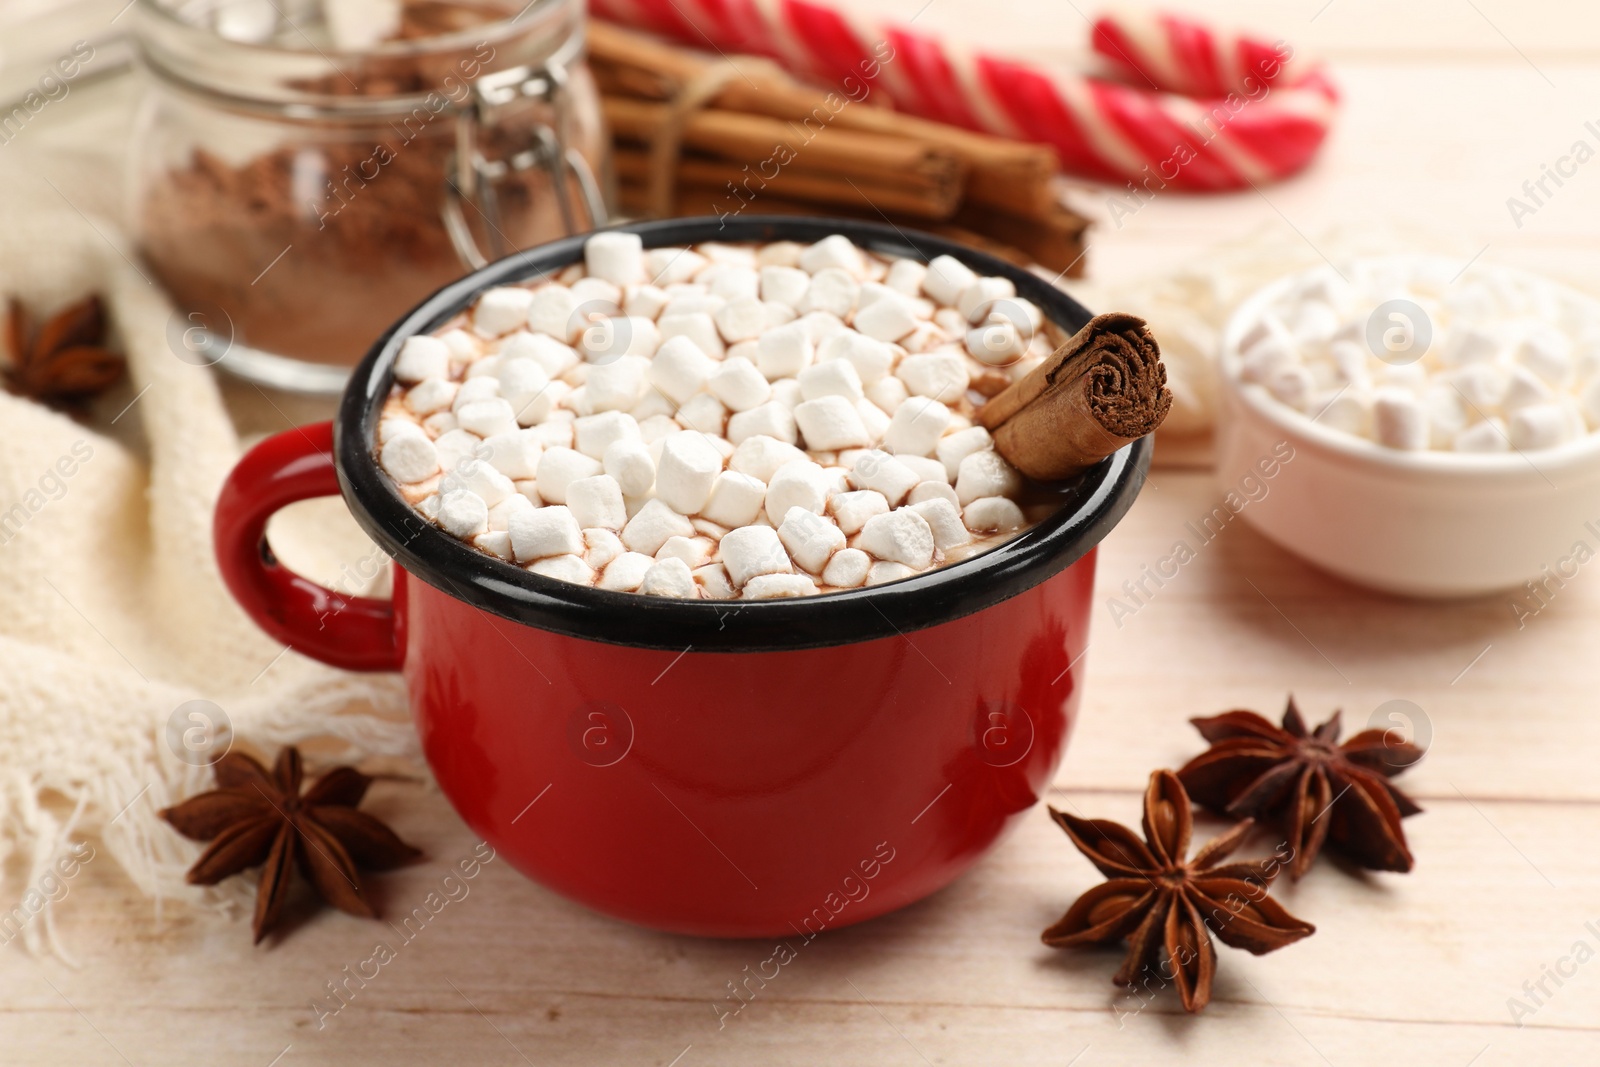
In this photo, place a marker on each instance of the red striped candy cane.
(1193, 109)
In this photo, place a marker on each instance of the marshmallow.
(554, 356)
(594, 434)
(501, 310)
(847, 568)
(616, 257)
(515, 454)
(809, 538)
(650, 527)
(874, 418)
(871, 358)
(888, 318)
(610, 337)
(977, 298)
(522, 383)
(475, 389)
(901, 536)
(1539, 426)
(787, 391)
(738, 384)
(731, 281)
(882, 472)
(833, 252)
(751, 551)
(689, 466)
(851, 510)
(1490, 435)
(887, 394)
(916, 426)
(760, 456)
(625, 573)
(478, 477)
(984, 474)
(1524, 388)
(698, 327)
(486, 418)
(1547, 354)
(714, 582)
(671, 578)
(1469, 346)
(501, 514)
(705, 413)
(741, 319)
(905, 276)
(552, 312)
(784, 351)
(955, 447)
(645, 301)
(600, 547)
(559, 468)
(940, 375)
(433, 394)
(736, 499)
(618, 385)
(821, 325)
(835, 377)
(945, 521)
(680, 368)
(831, 423)
(832, 290)
(882, 572)
(568, 568)
(784, 285)
(409, 457)
(453, 446)
(1293, 385)
(993, 513)
(693, 551)
(628, 463)
(775, 586)
(997, 342)
(421, 358)
(392, 426)
(597, 502)
(496, 542)
(1399, 420)
(800, 483)
(670, 266)
(771, 419)
(547, 531)
(925, 468)
(931, 490)
(462, 513)
(945, 278)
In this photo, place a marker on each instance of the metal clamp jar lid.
(300, 197)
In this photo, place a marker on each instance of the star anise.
(65, 361)
(1167, 906)
(1319, 790)
(258, 818)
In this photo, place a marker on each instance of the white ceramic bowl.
(1427, 524)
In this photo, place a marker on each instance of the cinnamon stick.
(1009, 175)
(1102, 389)
(735, 185)
(749, 139)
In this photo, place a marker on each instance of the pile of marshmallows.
(1495, 360)
(722, 421)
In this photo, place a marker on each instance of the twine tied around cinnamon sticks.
(666, 141)
(1101, 390)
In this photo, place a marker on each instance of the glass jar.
(296, 199)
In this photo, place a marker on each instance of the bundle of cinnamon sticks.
(701, 134)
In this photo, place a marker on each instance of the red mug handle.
(356, 633)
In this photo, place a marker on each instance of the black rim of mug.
(1092, 503)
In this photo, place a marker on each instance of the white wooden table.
(1450, 106)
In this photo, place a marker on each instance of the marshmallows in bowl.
(1421, 354)
(718, 422)
(1429, 427)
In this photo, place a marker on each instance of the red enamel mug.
(724, 768)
